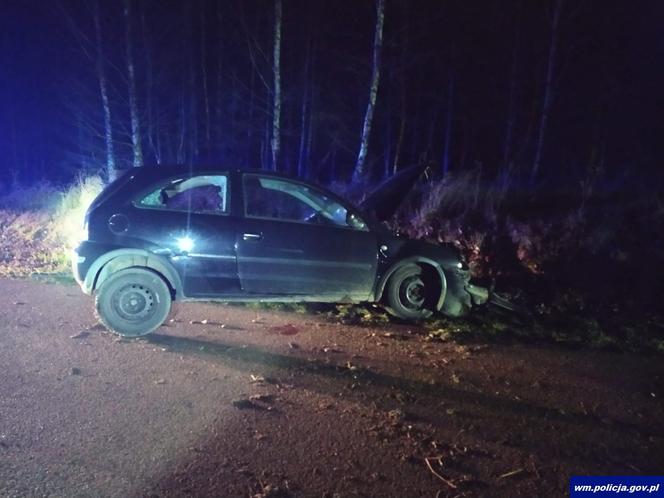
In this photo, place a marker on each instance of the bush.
(39, 224)
(69, 213)
(38, 196)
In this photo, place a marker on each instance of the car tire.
(410, 293)
(133, 302)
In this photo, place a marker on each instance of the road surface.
(265, 404)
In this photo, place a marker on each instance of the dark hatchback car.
(159, 234)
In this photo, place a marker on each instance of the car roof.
(157, 171)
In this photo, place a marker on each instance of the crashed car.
(159, 234)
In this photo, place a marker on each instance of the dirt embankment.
(228, 401)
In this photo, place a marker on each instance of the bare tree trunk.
(548, 90)
(192, 118)
(152, 118)
(402, 89)
(387, 148)
(180, 153)
(110, 172)
(448, 124)
(305, 118)
(373, 92)
(206, 98)
(133, 106)
(276, 69)
(218, 84)
(511, 110)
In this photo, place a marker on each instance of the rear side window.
(201, 194)
(112, 188)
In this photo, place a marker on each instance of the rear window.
(200, 194)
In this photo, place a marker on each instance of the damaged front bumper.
(478, 295)
(461, 294)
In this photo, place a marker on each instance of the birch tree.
(110, 172)
(131, 79)
(373, 92)
(276, 69)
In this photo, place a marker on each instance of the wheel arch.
(420, 261)
(120, 259)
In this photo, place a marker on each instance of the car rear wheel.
(133, 302)
(411, 294)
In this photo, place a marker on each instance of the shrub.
(67, 227)
(42, 195)
(40, 223)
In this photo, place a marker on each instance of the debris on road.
(510, 473)
(265, 398)
(439, 461)
(288, 329)
(270, 491)
(246, 404)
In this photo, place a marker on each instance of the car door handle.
(252, 236)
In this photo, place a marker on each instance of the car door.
(187, 219)
(296, 240)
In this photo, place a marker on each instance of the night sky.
(448, 67)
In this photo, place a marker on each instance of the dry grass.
(39, 224)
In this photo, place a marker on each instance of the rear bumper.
(82, 258)
(77, 264)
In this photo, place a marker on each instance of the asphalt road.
(267, 404)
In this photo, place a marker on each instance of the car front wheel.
(411, 294)
(133, 302)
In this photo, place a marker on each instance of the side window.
(279, 199)
(205, 193)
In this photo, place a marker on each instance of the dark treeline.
(556, 92)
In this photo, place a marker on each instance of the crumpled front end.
(461, 294)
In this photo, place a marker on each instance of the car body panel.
(201, 247)
(281, 257)
(382, 203)
(230, 256)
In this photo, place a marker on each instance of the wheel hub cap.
(413, 292)
(133, 302)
